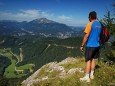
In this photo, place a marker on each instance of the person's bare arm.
(84, 41)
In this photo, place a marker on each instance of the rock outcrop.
(46, 72)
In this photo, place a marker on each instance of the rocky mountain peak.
(43, 20)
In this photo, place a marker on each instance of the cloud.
(67, 20)
(70, 20)
(28, 15)
(63, 17)
(24, 15)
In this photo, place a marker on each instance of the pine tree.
(109, 21)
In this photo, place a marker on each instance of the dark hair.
(93, 15)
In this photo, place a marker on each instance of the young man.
(91, 38)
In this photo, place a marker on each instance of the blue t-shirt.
(94, 35)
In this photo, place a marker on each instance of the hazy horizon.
(70, 12)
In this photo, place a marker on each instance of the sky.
(70, 12)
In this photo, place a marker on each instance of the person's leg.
(87, 68)
(93, 64)
(95, 55)
(87, 71)
(88, 53)
(92, 68)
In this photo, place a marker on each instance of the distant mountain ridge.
(41, 27)
(43, 20)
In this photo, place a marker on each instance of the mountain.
(40, 27)
(47, 27)
(42, 20)
(7, 27)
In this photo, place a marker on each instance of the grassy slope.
(104, 75)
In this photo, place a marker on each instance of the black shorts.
(92, 52)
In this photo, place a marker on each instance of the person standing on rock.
(91, 39)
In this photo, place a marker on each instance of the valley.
(27, 54)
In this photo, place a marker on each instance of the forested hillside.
(28, 53)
